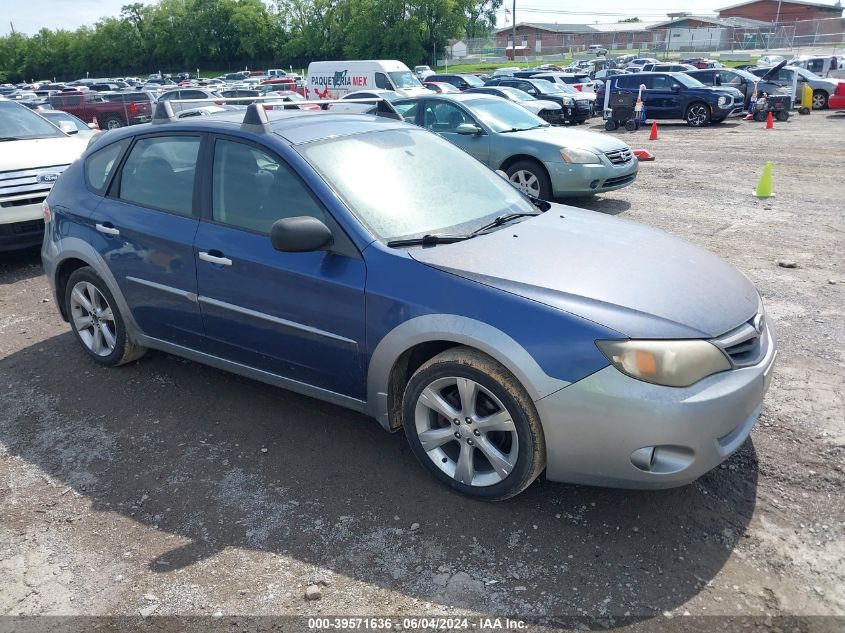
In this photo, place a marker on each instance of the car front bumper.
(574, 179)
(603, 430)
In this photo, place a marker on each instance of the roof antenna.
(255, 119)
(163, 113)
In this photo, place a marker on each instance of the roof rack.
(255, 118)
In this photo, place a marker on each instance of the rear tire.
(819, 100)
(610, 126)
(531, 177)
(111, 123)
(783, 115)
(472, 425)
(96, 320)
(631, 126)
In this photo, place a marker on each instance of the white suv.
(33, 152)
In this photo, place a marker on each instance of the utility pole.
(513, 17)
(12, 26)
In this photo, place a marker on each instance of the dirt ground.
(147, 490)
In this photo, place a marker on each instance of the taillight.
(578, 87)
(133, 108)
(45, 211)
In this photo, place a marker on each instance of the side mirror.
(301, 234)
(93, 126)
(676, 88)
(67, 127)
(468, 129)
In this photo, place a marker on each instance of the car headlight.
(568, 101)
(723, 100)
(577, 155)
(678, 363)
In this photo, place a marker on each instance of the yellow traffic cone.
(764, 187)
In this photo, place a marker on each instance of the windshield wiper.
(502, 219)
(429, 239)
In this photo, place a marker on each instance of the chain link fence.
(537, 44)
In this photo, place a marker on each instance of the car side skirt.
(250, 372)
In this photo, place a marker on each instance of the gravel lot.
(170, 488)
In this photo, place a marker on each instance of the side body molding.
(463, 331)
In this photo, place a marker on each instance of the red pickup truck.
(109, 114)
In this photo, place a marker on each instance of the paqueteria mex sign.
(328, 86)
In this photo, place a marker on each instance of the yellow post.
(764, 187)
(806, 99)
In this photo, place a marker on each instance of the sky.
(70, 14)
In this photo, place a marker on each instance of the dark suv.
(461, 81)
(742, 80)
(678, 96)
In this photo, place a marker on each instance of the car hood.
(40, 152)
(567, 137)
(637, 280)
(542, 104)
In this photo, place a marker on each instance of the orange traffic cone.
(653, 135)
(770, 122)
(643, 155)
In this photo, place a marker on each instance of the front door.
(297, 315)
(444, 117)
(145, 230)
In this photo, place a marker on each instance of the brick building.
(789, 11)
(547, 38)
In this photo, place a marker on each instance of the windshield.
(472, 80)
(687, 81)
(405, 79)
(516, 94)
(747, 76)
(409, 182)
(504, 116)
(18, 122)
(546, 87)
(807, 74)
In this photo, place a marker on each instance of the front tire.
(96, 320)
(472, 425)
(819, 100)
(530, 177)
(697, 114)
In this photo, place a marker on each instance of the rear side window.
(251, 189)
(159, 173)
(100, 165)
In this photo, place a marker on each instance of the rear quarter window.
(100, 165)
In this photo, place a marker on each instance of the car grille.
(583, 105)
(620, 156)
(21, 228)
(552, 116)
(620, 180)
(25, 184)
(747, 344)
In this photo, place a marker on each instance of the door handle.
(108, 229)
(215, 259)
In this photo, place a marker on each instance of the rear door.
(297, 315)
(145, 229)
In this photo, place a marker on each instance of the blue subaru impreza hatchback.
(368, 262)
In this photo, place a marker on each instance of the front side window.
(444, 117)
(159, 173)
(377, 176)
(381, 82)
(251, 189)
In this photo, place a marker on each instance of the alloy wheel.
(527, 182)
(697, 115)
(93, 318)
(466, 431)
(819, 100)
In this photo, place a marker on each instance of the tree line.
(185, 35)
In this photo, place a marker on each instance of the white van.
(333, 80)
